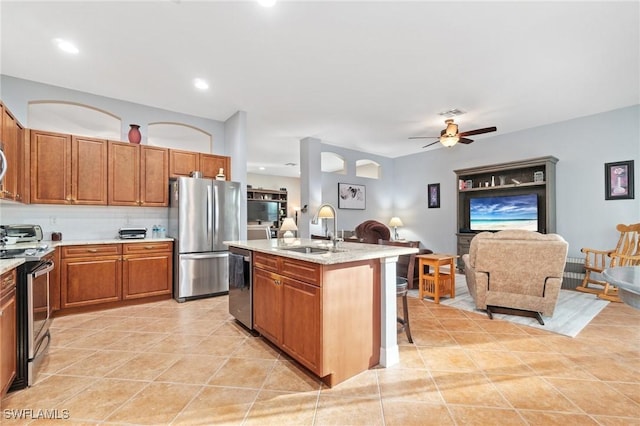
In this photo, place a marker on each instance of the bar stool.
(401, 291)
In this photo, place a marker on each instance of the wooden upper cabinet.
(50, 168)
(68, 169)
(12, 146)
(210, 165)
(138, 175)
(182, 163)
(124, 174)
(154, 176)
(88, 171)
(24, 171)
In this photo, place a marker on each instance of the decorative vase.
(134, 133)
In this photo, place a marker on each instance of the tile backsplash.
(82, 222)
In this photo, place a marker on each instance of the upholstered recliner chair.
(370, 231)
(518, 270)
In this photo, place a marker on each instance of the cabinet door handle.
(92, 250)
(149, 247)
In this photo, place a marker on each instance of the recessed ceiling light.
(66, 46)
(267, 3)
(261, 168)
(200, 84)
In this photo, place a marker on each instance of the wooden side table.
(434, 283)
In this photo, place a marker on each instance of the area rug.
(573, 312)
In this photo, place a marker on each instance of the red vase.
(134, 133)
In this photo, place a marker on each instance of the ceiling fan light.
(449, 141)
(451, 130)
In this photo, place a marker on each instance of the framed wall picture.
(618, 178)
(351, 196)
(433, 192)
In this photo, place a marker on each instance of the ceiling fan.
(450, 136)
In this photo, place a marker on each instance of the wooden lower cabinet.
(91, 274)
(8, 337)
(147, 270)
(330, 322)
(267, 315)
(98, 274)
(301, 322)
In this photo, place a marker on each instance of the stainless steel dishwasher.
(241, 286)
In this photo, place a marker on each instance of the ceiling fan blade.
(465, 140)
(423, 137)
(432, 143)
(478, 131)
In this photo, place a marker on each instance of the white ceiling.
(361, 75)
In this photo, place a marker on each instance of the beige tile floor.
(190, 363)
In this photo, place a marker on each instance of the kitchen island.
(334, 311)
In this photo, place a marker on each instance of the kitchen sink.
(307, 250)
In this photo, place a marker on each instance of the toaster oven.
(24, 233)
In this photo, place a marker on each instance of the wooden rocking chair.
(626, 253)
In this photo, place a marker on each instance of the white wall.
(584, 217)
(379, 192)
(17, 93)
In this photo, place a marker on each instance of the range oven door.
(38, 306)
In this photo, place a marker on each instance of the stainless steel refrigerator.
(203, 213)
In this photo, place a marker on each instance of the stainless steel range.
(33, 304)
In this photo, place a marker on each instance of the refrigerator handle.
(216, 213)
(209, 214)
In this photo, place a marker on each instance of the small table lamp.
(394, 223)
(288, 225)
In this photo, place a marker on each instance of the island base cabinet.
(332, 325)
(301, 322)
(351, 320)
(267, 313)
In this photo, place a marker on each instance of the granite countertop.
(8, 264)
(347, 252)
(104, 241)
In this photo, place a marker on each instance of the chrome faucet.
(327, 211)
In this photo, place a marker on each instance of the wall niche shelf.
(534, 175)
(505, 186)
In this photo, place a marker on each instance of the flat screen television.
(262, 211)
(504, 212)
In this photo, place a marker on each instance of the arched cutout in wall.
(368, 168)
(73, 118)
(179, 136)
(331, 162)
